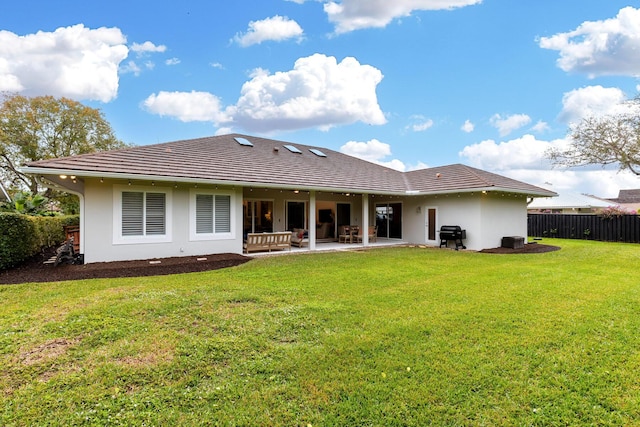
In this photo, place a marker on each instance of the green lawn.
(386, 337)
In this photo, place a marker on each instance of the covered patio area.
(333, 246)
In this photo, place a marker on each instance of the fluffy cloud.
(526, 152)
(147, 47)
(277, 28)
(508, 124)
(187, 106)
(420, 124)
(540, 127)
(350, 15)
(600, 47)
(524, 159)
(373, 151)
(468, 127)
(75, 62)
(319, 92)
(591, 101)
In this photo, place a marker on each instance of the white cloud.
(372, 151)
(172, 61)
(187, 106)
(217, 65)
(591, 101)
(421, 124)
(350, 15)
(508, 124)
(540, 127)
(600, 47)
(524, 159)
(600, 183)
(130, 67)
(147, 47)
(277, 28)
(319, 92)
(75, 62)
(468, 127)
(525, 152)
(417, 166)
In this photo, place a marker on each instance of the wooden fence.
(625, 228)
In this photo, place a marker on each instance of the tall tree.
(45, 127)
(603, 141)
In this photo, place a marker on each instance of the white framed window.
(211, 215)
(141, 215)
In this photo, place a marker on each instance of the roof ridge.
(474, 172)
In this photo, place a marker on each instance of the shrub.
(23, 236)
(614, 211)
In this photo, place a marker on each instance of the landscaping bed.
(34, 270)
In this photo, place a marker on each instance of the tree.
(27, 204)
(45, 127)
(603, 141)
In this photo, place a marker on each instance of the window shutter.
(223, 214)
(155, 221)
(132, 213)
(204, 214)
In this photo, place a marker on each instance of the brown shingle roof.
(461, 177)
(628, 196)
(221, 159)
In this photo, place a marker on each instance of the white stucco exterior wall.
(99, 227)
(485, 217)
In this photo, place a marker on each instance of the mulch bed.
(34, 270)
(530, 248)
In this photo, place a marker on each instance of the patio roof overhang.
(55, 176)
(59, 178)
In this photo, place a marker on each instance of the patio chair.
(345, 235)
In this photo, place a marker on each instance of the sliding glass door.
(257, 216)
(389, 220)
(296, 215)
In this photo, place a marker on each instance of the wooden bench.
(278, 240)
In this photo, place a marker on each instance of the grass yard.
(386, 337)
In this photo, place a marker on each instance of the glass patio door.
(257, 216)
(389, 220)
(296, 215)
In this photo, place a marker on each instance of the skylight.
(317, 152)
(243, 141)
(293, 149)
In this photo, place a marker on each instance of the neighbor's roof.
(628, 196)
(569, 201)
(268, 163)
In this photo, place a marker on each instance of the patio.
(335, 246)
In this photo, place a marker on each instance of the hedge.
(23, 236)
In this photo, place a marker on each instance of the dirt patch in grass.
(49, 350)
(34, 270)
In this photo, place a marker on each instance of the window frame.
(118, 237)
(193, 235)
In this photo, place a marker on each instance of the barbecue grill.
(454, 233)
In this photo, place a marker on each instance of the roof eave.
(490, 189)
(174, 179)
(255, 184)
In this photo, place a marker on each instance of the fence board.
(624, 228)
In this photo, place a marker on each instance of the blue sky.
(406, 83)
